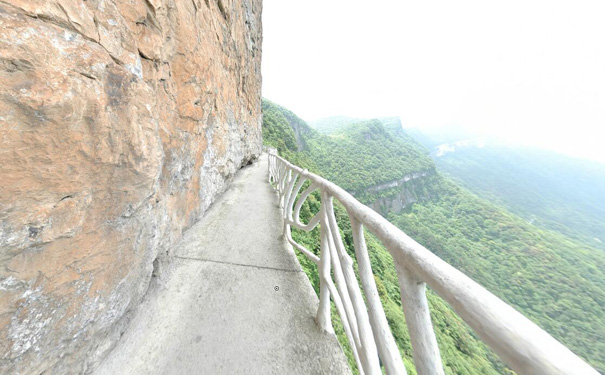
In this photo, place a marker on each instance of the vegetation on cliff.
(549, 190)
(556, 281)
(357, 158)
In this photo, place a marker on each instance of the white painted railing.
(524, 346)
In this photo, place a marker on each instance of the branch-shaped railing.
(524, 346)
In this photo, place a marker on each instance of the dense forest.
(555, 280)
(549, 190)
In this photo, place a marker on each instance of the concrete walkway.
(237, 301)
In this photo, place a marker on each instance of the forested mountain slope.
(556, 281)
(549, 190)
(357, 159)
(330, 125)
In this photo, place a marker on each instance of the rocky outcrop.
(396, 195)
(302, 131)
(120, 122)
(400, 182)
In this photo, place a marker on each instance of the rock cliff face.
(120, 122)
(396, 195)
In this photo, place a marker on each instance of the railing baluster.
(323, 311)
(292, 198)
(296, 217)
(418, 319)
(287, 206)
(281, 167)
(341, 287)
(367, 350)
(276, 168)
(345, 312)
(270, 162)
(385, 342)
(284, 187)
(314, 258)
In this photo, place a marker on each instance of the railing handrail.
(520, 343)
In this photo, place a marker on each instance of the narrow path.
(237, 301)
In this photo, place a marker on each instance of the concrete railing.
(524, 346)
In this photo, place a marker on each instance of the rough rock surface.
(120, 122)
(396, 195)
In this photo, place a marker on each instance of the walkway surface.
(237, 301)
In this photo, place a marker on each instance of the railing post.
(385, 342)
(417, 316)
(269, 162)
(323, 319)
(368, 353)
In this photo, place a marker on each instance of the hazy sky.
(530, 71)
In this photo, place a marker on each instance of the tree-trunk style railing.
(524, 346)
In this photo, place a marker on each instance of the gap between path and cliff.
(236, 302)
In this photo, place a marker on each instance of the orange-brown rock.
(120, 122)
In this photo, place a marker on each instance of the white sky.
(528, 71)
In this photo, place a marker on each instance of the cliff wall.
(120, 122)
(396, 195)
